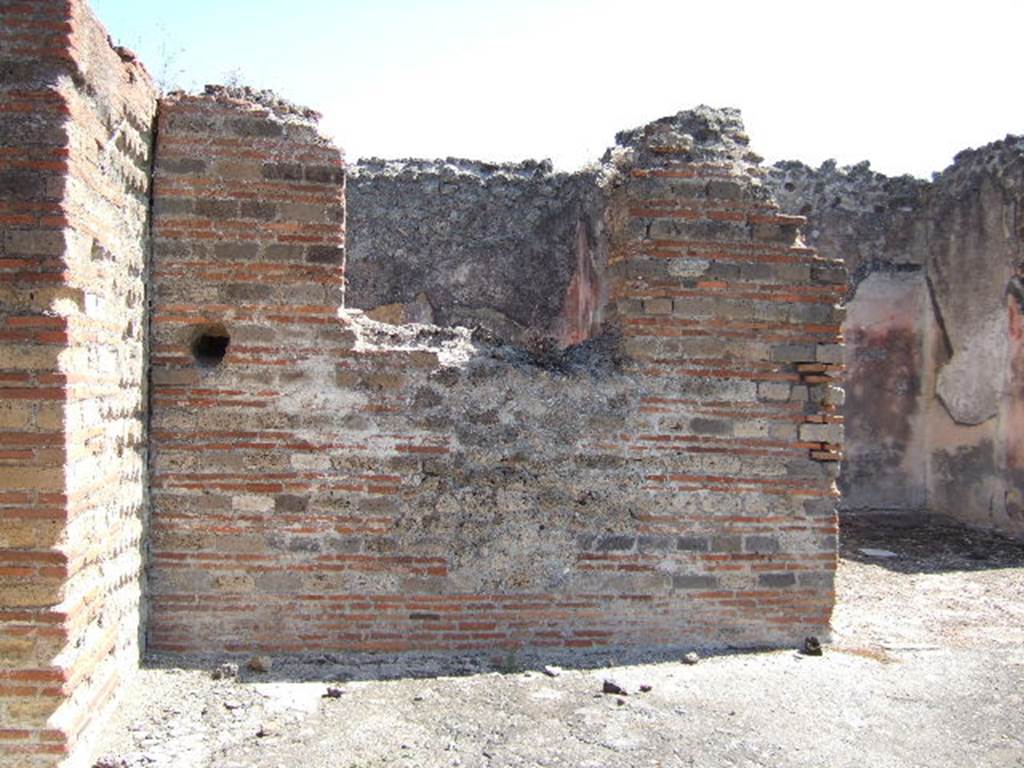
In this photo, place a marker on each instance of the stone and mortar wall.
(334, 483)
(514, 248)
(75, 124)
(934, 386)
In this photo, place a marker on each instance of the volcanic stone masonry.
(509, 247)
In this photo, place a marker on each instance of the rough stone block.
(776, 580)
(726, 543)
(822, 433)
(658, 306)
(693, 544)
(761, 544)
(773, 391)
(685, 581)
(832, 275)
(704, 426)
(216, 209)
(183, 165)
(320, 254)
(830, 353)
(725, 190)
(34, 242)
(794, 353)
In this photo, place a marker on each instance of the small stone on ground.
(614, 687)
(261, 664)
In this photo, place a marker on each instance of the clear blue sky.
(903, 83)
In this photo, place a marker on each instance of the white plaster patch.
(970, 385)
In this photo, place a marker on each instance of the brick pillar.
(75, 120)
(731, 328)
(33, 169)
(249, 232)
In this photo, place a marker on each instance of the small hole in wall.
(210, 345)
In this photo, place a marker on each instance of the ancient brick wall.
(75, 121)
(933, 330)
(511, 247)
(328, 482)
(248, 227)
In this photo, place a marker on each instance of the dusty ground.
(926, 669)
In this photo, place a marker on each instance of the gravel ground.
(926, 668)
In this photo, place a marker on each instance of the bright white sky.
(903, 83)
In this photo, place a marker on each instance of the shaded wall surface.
(514, 248)
(75, 129)
(933, 329)
(336, 483)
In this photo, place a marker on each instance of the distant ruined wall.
(75, 127)
(514, 248)
(933, 331)
(332, 483)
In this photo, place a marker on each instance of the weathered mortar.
(931, 329)
(75, 124)
(346, 485)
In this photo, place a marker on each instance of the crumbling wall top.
(702, 134)
(856, 188)
(997, 156)
(854, 213)
(274, 114)
(451, 167)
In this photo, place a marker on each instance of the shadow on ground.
(353, 667)
(924, 543)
